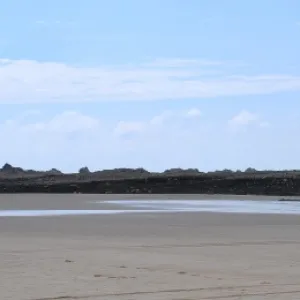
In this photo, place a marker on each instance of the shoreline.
(57, 205)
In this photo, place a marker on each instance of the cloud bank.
(181, 138)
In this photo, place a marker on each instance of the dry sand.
(180, 256)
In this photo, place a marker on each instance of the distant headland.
(140, 181)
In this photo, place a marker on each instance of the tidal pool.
(229, 206)
(169, 206)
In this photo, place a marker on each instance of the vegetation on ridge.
(126, 180)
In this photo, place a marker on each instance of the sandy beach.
(177, 256)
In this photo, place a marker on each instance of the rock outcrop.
(173, 181)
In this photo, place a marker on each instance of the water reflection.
(229, 206)
(169, 206)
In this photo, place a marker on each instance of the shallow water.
(169, 206)
(229, 206)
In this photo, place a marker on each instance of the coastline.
(284, 184)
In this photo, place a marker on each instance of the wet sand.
(145, 256)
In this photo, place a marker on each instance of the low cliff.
(242, 184)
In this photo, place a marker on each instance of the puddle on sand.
(169, 206)
(229, 206)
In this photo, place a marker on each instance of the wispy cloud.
(245, 118)
(124, 128)
(163, 119)
(29, 81)
(194, 112)
(40, 22)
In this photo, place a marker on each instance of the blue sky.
(154, 84)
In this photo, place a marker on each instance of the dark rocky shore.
(140, 181)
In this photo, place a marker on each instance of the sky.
(207, 84)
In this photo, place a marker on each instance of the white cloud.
(172, 116)
(162, 118)
(246, 118)
(67, 122)
(194, 112)
(28, 81)
(71, 139)
(243, 118)
(124, 128)
(165, 119)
